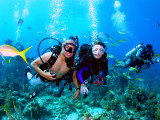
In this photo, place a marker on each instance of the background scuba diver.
(137, 57)
(91, 64)
(64, 62)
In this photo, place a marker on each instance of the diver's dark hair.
(73, 38)
(98, 42)
(149, 46)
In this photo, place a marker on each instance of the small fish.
(119, 62)
(7, 50)
(20, 22)
(110, 55)
(109, 39)
(115, 44)
(133, 69)
(8, 114)
(113, 75)
(139, 79)
(118, 42)
(155, 56)
(6, 61)
(122, 41)
(110, 91)
(121, 32)
(109, 77)
(126, 76)
(16, 109)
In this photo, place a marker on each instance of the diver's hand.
(147, 63)
(157, 61)
(76, 94)
(84, 89)
(49, 76)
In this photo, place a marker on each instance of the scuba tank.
(133, 51)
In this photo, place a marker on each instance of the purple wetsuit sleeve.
(104, 72)
(80, 77)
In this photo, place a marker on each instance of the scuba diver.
(92, 63)
(54, 65)
(137, 57)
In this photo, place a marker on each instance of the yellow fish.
(109, 39)
(121, 32)
(133, 69)
(140, 79)
(110, 91)
(7, 50)
(118, 42)
(8, 114)
(126, 76)
(6, 61)
(108, 77)
(155, 56)
(16, 109)
(122, 40)
(114, 44)
(110, 55)
(119, 62)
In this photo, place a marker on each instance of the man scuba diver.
(91, 64)
(58, 64)
(137, 57)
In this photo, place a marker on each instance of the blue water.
(85, 18)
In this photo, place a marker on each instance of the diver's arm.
(84, 89)
(104, 73)
(105, 70)
(35, 65)
(75, 80)
(144, 61)
(150, 59)
(80, 77)
(139, 58)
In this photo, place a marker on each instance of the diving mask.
(98, 50)
(70, 47)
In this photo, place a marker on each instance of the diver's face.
(98, 51)
(68, 48)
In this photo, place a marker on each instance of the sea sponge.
(9, 103)
(152, 95)
(158, 112)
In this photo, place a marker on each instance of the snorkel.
(76, 45)
(47, 48)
